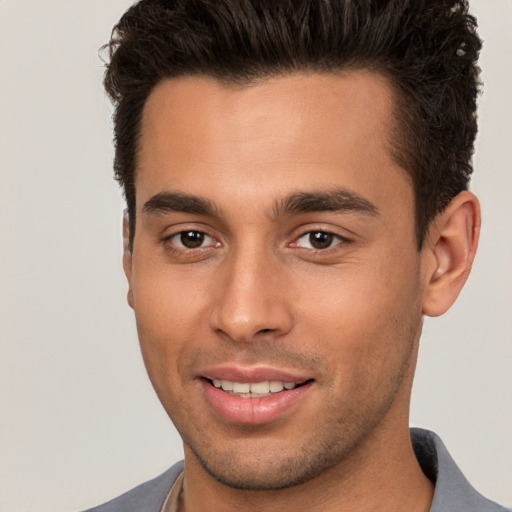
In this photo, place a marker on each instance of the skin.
(256, 293)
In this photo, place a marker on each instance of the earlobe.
(127, 258)
(449, 253)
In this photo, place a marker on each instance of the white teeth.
(241, 387)
(276, 386)
(253, 389)
(260, 387)
(226, 385)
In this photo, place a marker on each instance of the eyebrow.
(337, 200)
(166, 202)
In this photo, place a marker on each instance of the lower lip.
(253, 411)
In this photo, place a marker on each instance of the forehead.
(295, 131)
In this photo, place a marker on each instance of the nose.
(252, 299)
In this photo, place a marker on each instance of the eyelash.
(175, 247)
(333, 239)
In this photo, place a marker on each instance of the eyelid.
(308, 244)
(179, 244)
(307, 230)
(177, 231)
(337, 239)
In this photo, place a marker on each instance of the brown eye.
(318, 240)
(190, 243)
(191, 239)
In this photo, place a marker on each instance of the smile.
(254, 389)
(254, 402)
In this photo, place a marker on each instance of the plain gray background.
(79, 422)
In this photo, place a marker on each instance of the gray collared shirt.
(453, 493)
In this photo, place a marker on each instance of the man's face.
(274, 248)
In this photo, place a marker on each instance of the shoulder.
(452, 490)
(147, 497)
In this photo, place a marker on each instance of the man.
(296, 179)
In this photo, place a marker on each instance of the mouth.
(255, 389)
(255, 396)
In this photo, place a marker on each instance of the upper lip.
(253, 374)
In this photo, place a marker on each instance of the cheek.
(365, 319)
(167, 301)
(169, 318)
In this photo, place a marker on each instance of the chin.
(270, 472)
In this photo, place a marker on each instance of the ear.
(450, 249)
(127, 257)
